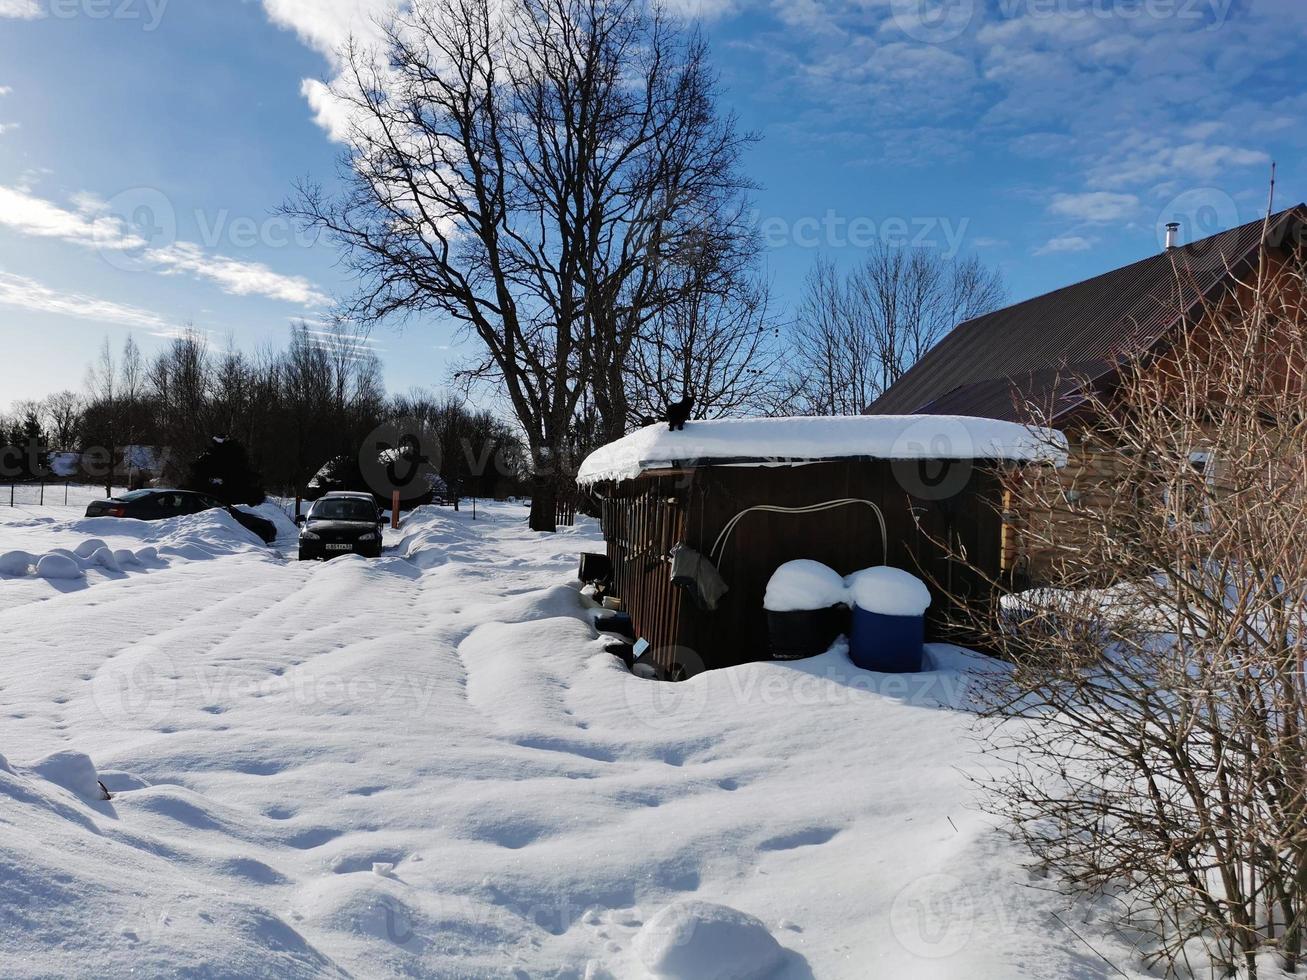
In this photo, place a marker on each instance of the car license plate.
(340, 547)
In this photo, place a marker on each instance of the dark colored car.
(159, 505)
(341, 524)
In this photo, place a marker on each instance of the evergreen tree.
(223, 470)
(36, 456)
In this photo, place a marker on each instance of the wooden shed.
(752, 494)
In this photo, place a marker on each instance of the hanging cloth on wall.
(698, 576)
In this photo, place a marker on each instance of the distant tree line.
(292, 410)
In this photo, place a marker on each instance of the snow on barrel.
(805, 609)
(803, 584)
(889, 624)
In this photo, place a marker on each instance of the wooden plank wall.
(647, 517)
(641, 522)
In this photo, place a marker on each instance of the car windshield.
(344, 510)
(136, 495)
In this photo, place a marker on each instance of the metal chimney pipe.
(1172, 234)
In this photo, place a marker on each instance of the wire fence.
(48, 493)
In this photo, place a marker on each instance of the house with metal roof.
(1034, 358)
(1040, 360)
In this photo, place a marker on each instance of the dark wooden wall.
(642, 521)
(644, 518)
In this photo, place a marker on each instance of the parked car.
(159, 505)
(341, 524)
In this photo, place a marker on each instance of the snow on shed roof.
(794, 441)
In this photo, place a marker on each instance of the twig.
(1088, 946)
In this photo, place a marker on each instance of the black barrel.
(805, 633)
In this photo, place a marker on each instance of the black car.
(159, 505)
(341, 524)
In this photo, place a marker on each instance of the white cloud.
(30, 215)
(234, 276)
(1065, 243)
(28, 294)
(7, 128)
(91, 225)
(1147, 157)
(5, 90)
(325, 25)
(329, 112)
(21, 9)
(1094, 206)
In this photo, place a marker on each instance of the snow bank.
(89, 547)
(55, 566)
(804, 584)
(95, 888)
(74, 771)
(804, 440)
(114, 546)
(889, 591)
(267, 730)
(104, 558)
(701, 941)
(17, 562)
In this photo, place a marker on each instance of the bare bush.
(1152, 727)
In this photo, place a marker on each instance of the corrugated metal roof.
(1040, 350)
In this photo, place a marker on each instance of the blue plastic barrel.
(892, 644)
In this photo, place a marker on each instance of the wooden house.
(1039, 359)
(752, 494)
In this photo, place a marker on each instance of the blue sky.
(145, 145)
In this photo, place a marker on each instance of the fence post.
(11, 495)
(394, 510)
(42, 503)
(65, 494)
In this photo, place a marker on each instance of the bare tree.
(1153, 727)
(63, 414)
(525, 169)
(856, 334)
(718, 347)
(112, 411)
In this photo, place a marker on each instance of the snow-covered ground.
(427, 765)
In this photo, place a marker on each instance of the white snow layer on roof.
(798, 440)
